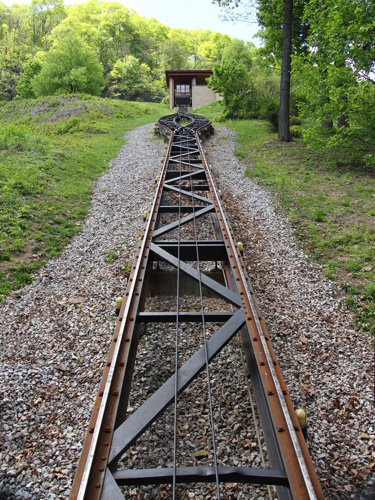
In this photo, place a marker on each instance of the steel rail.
(110, 433)
(250, 306)
(97, 420)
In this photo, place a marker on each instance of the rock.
(303, 339)
(62, 368)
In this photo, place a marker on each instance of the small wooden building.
(189, 88)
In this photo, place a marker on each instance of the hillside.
(332, 207)
(51, 151)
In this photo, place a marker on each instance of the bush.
(69, 125)
(295, 131)
(15, 138)
(270, 112)
(31, 69)
(295, 120)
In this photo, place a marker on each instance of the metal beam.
(201, 474)
(184, 220)
(127, 433)
(173, 209)
(172, 175)
(188, 194)
(111, 491)
(207, 251)
(213, 285)
(183, 317)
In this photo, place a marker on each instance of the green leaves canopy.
(112, 31)
(70, 66)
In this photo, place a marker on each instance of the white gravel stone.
(330, 372)
(55, 333)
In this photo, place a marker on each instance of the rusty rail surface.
(186, 175)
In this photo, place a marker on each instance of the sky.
(186, 14)
(192, 14)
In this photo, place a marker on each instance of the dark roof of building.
(187, 72)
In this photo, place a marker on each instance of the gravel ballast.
(326, 363)
(55, 333)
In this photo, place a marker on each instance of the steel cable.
(176, 345)
(205, 342)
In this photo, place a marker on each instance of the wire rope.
(205, 341)
(176, 345)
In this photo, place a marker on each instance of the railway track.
(189, 259)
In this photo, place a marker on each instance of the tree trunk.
(284, 131)
(327, 124)
(342, 121)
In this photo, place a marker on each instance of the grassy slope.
(332, 208)
(51, 150)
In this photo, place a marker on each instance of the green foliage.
(249, 88)
(111, 256)
(31, 69)
(334, 81)
(270, 16)
(45, 15)
(370, 292)
(295, 120)
(70, 66)
(333, 44)
(355, 142)
(127, 267)
(24, 30)
(112, 32)
(311, 189)
(132, 79)
(70, 125)
(241, 53)
(295, 131)
(230, 79)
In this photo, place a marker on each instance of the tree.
(334, 79)
(238, 51)
(270, 15)
(175, 51)
(132, 80)
(14, 47)
(31, 69)
(45, 15)
(230, 80)
(70, 66)
(284, 131)
(112, 32)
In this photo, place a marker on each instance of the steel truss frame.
(110, 433)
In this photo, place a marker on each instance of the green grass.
(111, 256)
(332, 208)
(51, 151)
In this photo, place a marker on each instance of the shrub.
(69, 125)
(270, 112)
(295, 120)
(295, 131)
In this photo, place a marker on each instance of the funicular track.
(188, 250)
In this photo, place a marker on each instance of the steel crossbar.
(112, 431)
